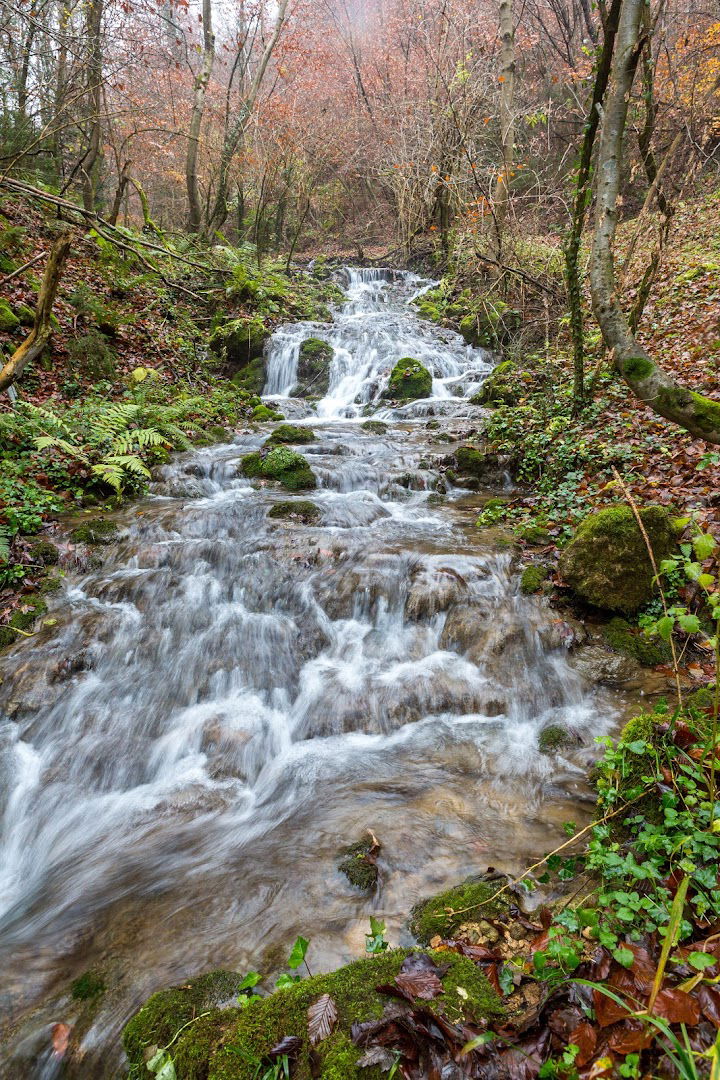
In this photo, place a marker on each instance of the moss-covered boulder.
(25, 314)
(288, 468)
(502, 386)
(470, 461)
(165, 1013)
(250, 377)
(532, 579)
(313, 371)
(21, 621)
(301, 510)
(45, 553)
(490, 324)
(441, 915)
(607, 562)
(96, 531)
(409, 380)
(236, 1044)
(374, 427)
(555, 737)
(239, 342)
(288, 433)
(262, 412)
(631, 641)
(8, 319)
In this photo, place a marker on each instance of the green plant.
(375, 941)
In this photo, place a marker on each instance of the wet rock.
(301, 510)
(288, 468)
(607, 562)
(359, 864)
(97, 531)
(239, 342)
(443, 914)
(409, 380)
(288, 433)
(375, 427)
(313, 371)
(630, 641)
(598, 665)
(556, 737)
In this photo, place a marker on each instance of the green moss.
(261, 412)
(409, 380)
(44, 552)
(87, 987)
(489, 323)
(313, 370)
(162, 1016)
(554, 737)
(532, 579)
(638, 367)
(265, 1021)
(621, 637)
(502, 386)
(701, 701)
(8, 320)
(32, 607)
(444, 913)
(302, 509)
(375, 427)
(251, 376)
(533, 534)
(357, 867)
(706, 411)
(240, 341)
(25, 314)
(607, 563)
(288, 468)
(287, 433)
(470, 462)
(97, 531)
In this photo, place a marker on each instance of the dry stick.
(541, 862)
(23, 268)
(648, 545)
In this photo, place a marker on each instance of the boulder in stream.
(288, 433)
(301, 510)
(288, 468)
(313, 370)
(607, 562)
(409, 380)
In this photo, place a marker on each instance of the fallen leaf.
(677, 1007)
(322, 1017)
(60, 1038)
(289, 1045)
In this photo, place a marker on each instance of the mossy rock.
(502, 386)
(470, 461)
(87, 987)
(300, 509)
(8, 319)
(287, 433)
(32, 607)
(629, 641)
(532, 579)
(607, 562)
(44, 552)
(534, 534)
(443, 914)
(238, 342)
(234, 1044)
(313, 370)
(357, 866)
(288, 468)
(374, 427)
(554, 737)
(251, 377)
(25, 314)
(492, 324)
(409, 380)
(165, 1013)
(262, 412)
(97, 531)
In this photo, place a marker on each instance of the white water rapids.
(224, 701)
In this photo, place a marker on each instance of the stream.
(224, 701)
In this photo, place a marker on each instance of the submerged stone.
(607, 562)
(301, 509)
(555, 737)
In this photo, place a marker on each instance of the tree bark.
(697, 414)
(39, 336)
(196, 118)
(581, 200)
(91, 163)
(507, 117)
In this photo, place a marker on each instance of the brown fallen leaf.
(322, 1017)
(677, 1007)
(60, 1038)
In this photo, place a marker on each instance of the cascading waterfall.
(375, 328)
(227, 699)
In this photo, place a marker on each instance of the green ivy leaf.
(298, 951)
(624, 956)
(251, 979)
(701, 960)
(665, 627)
(704, 546)
(689, 623)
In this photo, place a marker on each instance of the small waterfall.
(376, 327)
(226, 699)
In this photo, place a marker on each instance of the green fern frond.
(55, 442)
(111, 474)
(130, 463)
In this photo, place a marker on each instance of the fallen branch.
(21, 269)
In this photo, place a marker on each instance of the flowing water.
(226, 700)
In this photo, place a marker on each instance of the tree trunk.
(39, 336)
(91, 164)
(697, 414)
(507, 117)
(581, 200)
(196, 118)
